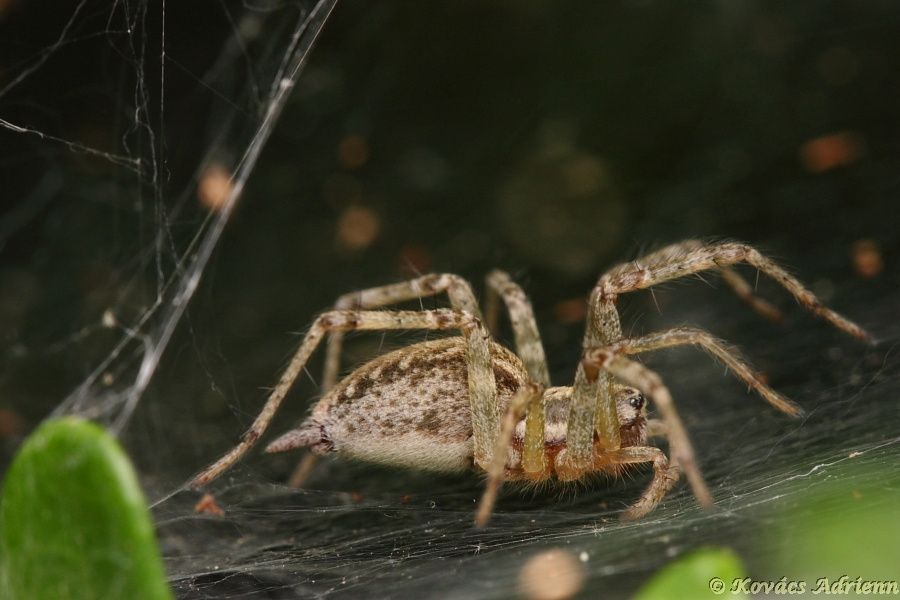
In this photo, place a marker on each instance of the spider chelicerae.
(451, 403)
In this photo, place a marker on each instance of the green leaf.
(842, 531)
(703, 573)
(73, 520)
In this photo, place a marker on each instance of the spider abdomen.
(407, 408)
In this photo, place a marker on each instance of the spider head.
(631, 406)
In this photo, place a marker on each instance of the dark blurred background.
(549, 139)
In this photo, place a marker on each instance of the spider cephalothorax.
(451, 403)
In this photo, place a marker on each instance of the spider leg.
(531, 351)
(527, 396)
(592, 407)
(665, 475)
(735, 281)
(457, 288)
(686, 258)
(461, 297)
(303, 470)
(742, 289)
(482, 387)
(521, 315)
(597, 360)
(728, 355)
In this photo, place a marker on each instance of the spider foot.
(661, 484)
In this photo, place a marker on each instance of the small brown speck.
(207, 505)
(357, 497)
(867, 261)
(431, 421)
(358, 226)
(353, 151)
(415, 260)
(830, 151)
(570, 311)
(11, 422)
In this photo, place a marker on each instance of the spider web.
(180, 195)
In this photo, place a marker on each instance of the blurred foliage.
(848, 525)
(702, 573)
(73, 521)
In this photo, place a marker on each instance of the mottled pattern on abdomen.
(410, 407)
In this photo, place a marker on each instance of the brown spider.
(444, 404)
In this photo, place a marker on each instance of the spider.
(450, 403)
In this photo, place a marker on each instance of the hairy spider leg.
(530, 349)
(593, 405)
(665, 476)
(687, 258)
(598, 360)
(458, 290)
(740, 286)
(744, 291)
(604, 329)
(672, 426)
(729, 355)
(531, 394)
(521, 316)
(461, 297)
(482, 387)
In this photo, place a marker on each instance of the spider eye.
(637, 402)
